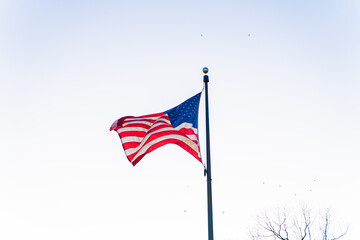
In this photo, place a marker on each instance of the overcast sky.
(284, 113)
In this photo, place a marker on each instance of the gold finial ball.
(205, 70)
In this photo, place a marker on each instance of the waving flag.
(143, 134)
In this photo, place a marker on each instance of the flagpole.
(208, 165)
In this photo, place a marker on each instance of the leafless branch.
(285, 225)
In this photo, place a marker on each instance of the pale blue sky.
(284, 105)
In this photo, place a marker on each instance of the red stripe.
(187, 131)
(162, 143)
(133, 133)
(146, 116)
(152, 115)
(131, 145)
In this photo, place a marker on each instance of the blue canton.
(185, 112)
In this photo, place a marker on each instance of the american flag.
(143, 134)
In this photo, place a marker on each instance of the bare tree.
(300, 225)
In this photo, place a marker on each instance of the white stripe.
(141, 118)
(144, 120)
(131, 139)
(191, 144)
(159, 123)
(187, 126)
(163, 120)
(192, 137)
(137, 122)
(129, 129)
